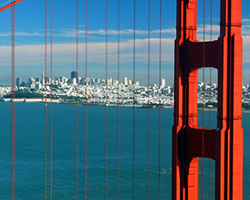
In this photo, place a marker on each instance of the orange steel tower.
(225, 143)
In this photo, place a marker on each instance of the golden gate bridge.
(190, 142)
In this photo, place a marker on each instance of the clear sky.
(30, 37)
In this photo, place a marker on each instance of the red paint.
(225, 144)
(86, 104)
(13, 3)
(13, 103)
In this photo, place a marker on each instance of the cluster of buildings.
(99, 91)
(112, 92)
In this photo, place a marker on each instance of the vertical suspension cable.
(13, 103)
(210, 93)
(77, 80)
(160, 83)
(133, 124)
(51, 97)
(106, 108)
(86, 103)
(118, 105)
(45, 106)
(148, 125)
(203, 89)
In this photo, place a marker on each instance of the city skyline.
(73, 74)
(126, 92)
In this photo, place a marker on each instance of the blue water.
(29, 168)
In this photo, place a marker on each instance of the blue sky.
(30, 37)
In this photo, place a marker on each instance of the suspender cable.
(106, 108)
(203, 90)
(133, 124)
(86, 95)
(210, 82)
(159, 147)
(45, 107)
(77, 80)
(51, 96)
(148, 131)
(13, 103)
(118, 103)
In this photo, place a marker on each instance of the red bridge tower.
(224, 144)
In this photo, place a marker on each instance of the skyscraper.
(163, 83)
(18, 82)
(125, 81)
(74, 74)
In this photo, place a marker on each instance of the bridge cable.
(148, 124)
(133, 125)
(86, 95)
(45, 107)
(118, 103)
(13, 103)
(210, 93)
(106, 99)
(77, 88)
(203, 91)
(51, 97)
(160, 96)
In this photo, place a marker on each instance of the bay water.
(29, 161)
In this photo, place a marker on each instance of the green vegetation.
(21, 94)
(28, 95)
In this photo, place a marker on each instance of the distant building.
(43, 79)
(31, 81)
(125, 81)
(169, 90)
(116, 82)
(18, 82)
(63, 79)
(33, 86)
(74, 82)
(38, 85)
(93, 80)
(74, 74)
(109, 81)
(163, 83)
(37, 79)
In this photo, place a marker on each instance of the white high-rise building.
(125, 81)
(74, 81)
(169, 90)
(163, 83)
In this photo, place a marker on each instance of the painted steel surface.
(191, 142)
